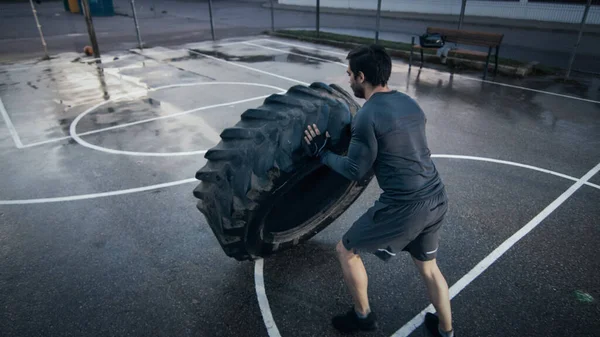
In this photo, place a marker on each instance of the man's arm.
(361, 153)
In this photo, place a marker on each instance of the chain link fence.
(563, 34)
(554, 33)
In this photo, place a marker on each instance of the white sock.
(446, 334)
(365, 315)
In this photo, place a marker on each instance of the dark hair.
(373, 61)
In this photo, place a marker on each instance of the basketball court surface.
(100, 235)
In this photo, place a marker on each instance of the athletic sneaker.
(350, 322)
(432, 323)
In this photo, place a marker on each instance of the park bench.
(465, 37)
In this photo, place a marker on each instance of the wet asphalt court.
(100, 235)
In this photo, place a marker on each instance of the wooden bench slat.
(468, 52)
(468, 37)
(473, 42)
(456, 51)
(464, 37)
(418, 46)
(455, 32)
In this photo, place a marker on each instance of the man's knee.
(342, 252)
(428, 269)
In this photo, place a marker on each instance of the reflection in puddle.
(325, 57)
(289, 58)
(233, 58)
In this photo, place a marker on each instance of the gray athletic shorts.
(385, 230)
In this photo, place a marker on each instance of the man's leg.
(438, 291)
(360, 316)
(355, 277)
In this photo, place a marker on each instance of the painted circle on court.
(259, 281)
(73, 128)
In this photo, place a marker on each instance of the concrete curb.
(476, 20)
(514, 71)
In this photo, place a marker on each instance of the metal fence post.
(137, 26)
(272, 16)
(318, 17)
(462, 14)
(90, 26)
(378, 21)
(47, 57)
(212, 24)
(574, 52)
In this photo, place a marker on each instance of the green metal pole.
(90, 26)
(212, 25)
(272, 16)
(462, 14)
(318, 18)
(37, 22)
(378, 20)
(574, 52)
(137, 26)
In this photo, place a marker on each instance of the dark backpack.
(433, 40)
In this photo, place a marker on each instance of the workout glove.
(318, 145)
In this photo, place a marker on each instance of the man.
(388, 135)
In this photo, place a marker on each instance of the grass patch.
(311, 34)
(398, 49)
(541, 69)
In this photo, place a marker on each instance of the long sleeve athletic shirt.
(388, 135)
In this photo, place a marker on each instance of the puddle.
(235, 58)
(321, 56)
(289, 58)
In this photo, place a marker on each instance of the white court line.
(511, 163)
(174, 183)
(413, 324)
(217, 43)
(249, 68)
(439, 156)
(184, 112)
(306, 47)
(53, 140)
(263, 301)
(237, 42)
(110, 72)
(162, 117)
(43, 66)
(116, 72)
(457, 75)
(10, 126)
(466, 77)
(203, 127)
(96, 195)
(409, 327)
(137, 51)
(171, 115)
(529, 89)
(83, 62)
(20, 145)
(193, 51)
(77, 138)
(504, 162)
(593, 185)
(298, 54)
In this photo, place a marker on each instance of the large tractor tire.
(259, 191)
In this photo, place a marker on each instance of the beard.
(358, 90)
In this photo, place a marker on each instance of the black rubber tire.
(259, 173)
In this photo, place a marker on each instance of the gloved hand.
(317, 143)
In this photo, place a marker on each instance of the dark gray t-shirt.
(388, 134)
